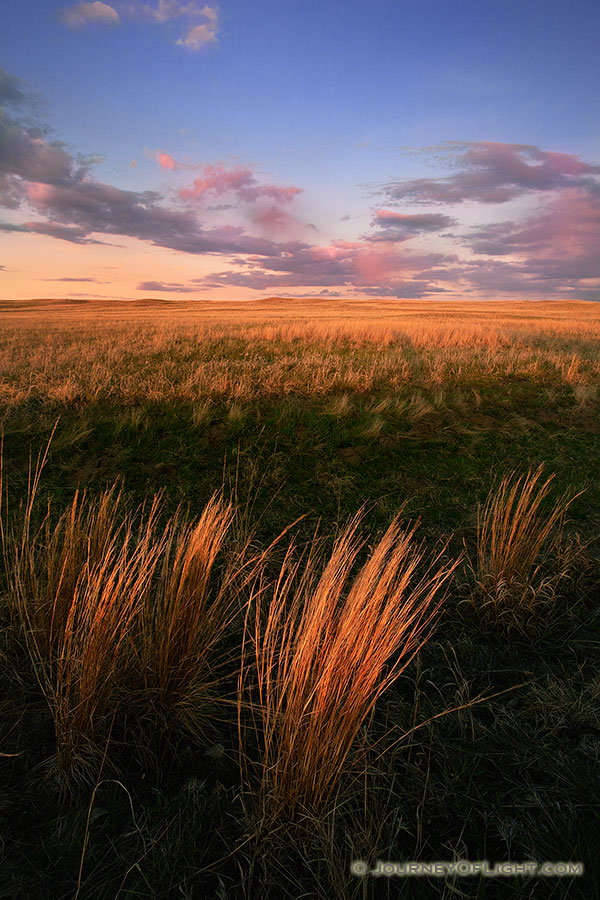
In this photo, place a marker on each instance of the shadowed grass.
(110, 605)
(183, 622)
(75, 587)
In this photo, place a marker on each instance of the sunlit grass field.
(288, 584)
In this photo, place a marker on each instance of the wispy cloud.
(200, 22)
(166, 10)
(355, 264)
(492, 173)
(199, 35)
(559, 245)
(554, 250)
(75, 234)
(12, 89)
(265, 205)
(238, 180)
(166, 287)
(81, 15)
(395, 226)
(8, 226)
(77, 280)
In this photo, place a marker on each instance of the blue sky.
(390, 149)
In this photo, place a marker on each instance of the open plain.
(321, 627)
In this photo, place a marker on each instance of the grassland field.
(301, 413)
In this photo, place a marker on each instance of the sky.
(434, 149)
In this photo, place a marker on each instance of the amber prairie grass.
(76, 588)
(111, 605)
(203, 352)
(517, 539)
(324, 643)
(179, 630)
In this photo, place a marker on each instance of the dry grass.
(515, 541)
(237, 352)
(110, 605)
(324, 647)
(180, 628)
(76, 589)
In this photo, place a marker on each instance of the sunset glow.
(239, 151)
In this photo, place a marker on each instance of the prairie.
(299, 582)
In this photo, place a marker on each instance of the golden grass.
(183, 622)
(202, 351)
(77, 598)
(515, 541)
(109, 603)
(324, 646)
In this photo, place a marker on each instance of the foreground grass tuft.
(515, 541)
(118, 615)
(324, 647)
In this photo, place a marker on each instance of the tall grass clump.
(75, 588)
(118, 614)
(323, 647)
(518, 544)
(186, 618)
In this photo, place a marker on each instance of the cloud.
(165, 160)
(266, 204)
(68, 278)
(83, 14)
(354, 264)
(240, 181)
(7, 226)
(198, 36)
(560, 242)
(26, 152)
(402, 226)
(200, 21)
(11, 191)
(11, 88)
(165, 10)
(553, 251)
(218, 180)
(166, 287)
(493, 173)
(84, 207)
(72, 233)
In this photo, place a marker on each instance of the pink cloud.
(354, 265)
(493, 172)
(201, 22)
(82, 14)
(218, 180)
(165, 160)
(266, 203)
(565, 231)
(199, 36)
(394, 226)
(554, 251)
(272, 218)
(239, 180)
